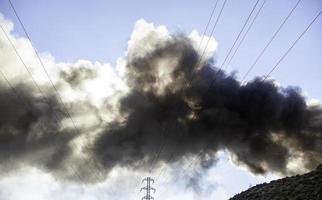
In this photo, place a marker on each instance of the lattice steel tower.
(148, 188)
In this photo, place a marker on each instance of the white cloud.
(144, 38)
(207, 46)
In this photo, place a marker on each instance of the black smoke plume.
(30, 130)
(169, 113)
(261, 124)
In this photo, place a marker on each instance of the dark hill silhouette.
(300, 187)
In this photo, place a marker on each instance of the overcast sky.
(98, 32)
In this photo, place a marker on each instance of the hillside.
(300, 187)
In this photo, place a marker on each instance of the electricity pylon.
(148, 188)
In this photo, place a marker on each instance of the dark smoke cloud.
(30, 130)
(263, 125)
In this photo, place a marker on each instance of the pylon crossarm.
(148, 179)
(148, 188)
(147, 197)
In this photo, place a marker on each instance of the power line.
(27, 69)
(275, 66)
(239, 34)
(20, 58)
(246, 33)
(26, 103)
(284, 55)
(220, 69)
(43, 96)
(292, 46)
(45, 70)
(42, 64)
(212, 31)
(198, 62)
(210, 18)
(162, 145)
(14, 91)
(271, 40)
(49, 78)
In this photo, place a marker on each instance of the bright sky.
(100, 30)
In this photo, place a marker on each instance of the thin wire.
(246, 33)
(212, 31)
(239, 34)
(42, 64)
(27, 69)
(26, 104)
(46, 72)
(48, 76)
(210, 18)
(292, 46)
(43, 96)
(162, 145)
(15, 92)
(200, 153)
(271, 40)
(220, 68)
(20, 58)
(172, 156)
(19, 98)
(199, 60)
